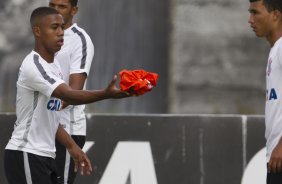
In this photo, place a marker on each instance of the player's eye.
(253, 12)
(51, 5)
(62, 7)
(54, 27)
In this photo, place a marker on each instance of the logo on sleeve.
(54, 105)
(271, 95)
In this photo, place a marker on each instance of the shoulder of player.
(78, 31)
(33, 62)
(30, 60)
(29, 69)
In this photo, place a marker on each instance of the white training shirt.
(273, 107)
(37, 122)
(75, 56)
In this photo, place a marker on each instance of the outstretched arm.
(78, 97)
(80, 158)
(76, 82)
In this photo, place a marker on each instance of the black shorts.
(274, 178)
(26, 168)
(65, 164)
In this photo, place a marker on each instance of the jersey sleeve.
(82, 55)
(42, 79)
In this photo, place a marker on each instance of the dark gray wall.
(208, 58)
(197, 149)
(16, 42)
(127, 34)
(218, 64)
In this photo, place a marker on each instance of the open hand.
(275, 162)
(114, 92)
(81, 161)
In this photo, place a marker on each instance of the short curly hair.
(39, 13)
(74, 2)
(271, 5)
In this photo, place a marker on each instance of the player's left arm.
(76, 82)
(81, 56)
(81, 161)
(275, 161)
(80, 64)
(78, 72)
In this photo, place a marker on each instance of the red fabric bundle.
(137, 82)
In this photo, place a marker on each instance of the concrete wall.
(15, 43)
(208, 58)
(127, 34)
(217, 64)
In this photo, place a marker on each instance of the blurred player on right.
(266, 21)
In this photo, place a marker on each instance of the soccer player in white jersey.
(74, 58)
(266, 21)
(30, 153)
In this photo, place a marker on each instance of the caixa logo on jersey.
(54, 105)
(271, 94)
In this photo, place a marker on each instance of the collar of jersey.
(68, 31)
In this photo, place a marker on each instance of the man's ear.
(74, 10)
(277, 15)
(36, 31)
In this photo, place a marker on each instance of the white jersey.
(75, 56)
(273, 107)
(37, 122)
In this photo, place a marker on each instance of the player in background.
(266, 21)
(74, 58)
(30, 153)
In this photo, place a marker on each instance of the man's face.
(260, 19)
(65, 8)
(51, 32)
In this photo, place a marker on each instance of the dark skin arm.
(80, 158)
(78, 97)
(275, 161)
(76, 81)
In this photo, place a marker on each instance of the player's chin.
(258, 34)
(57, 48)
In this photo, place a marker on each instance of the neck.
(67, 25)
(273, 37)
(46, 54)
